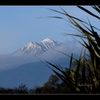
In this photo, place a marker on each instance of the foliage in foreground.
(22, 89)
(85, 77)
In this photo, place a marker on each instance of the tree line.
(53, 86)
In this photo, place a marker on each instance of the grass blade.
(88, 12)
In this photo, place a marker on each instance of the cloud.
(10, 61)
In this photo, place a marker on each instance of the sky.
(20, 25)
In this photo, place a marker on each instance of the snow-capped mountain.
(48, 44)
(37, 48)
(28, 69)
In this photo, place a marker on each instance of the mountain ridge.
(37, 47)
(28, 69)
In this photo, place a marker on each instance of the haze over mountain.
(24, 67)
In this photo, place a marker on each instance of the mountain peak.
(47, 39)
(38, 48)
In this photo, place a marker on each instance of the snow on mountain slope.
(48, 43)
(37, 48)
